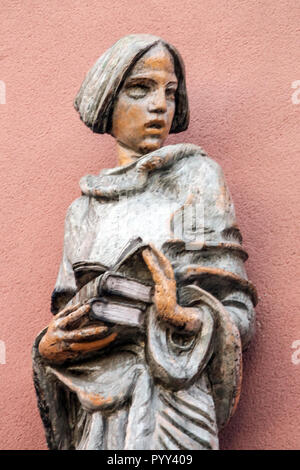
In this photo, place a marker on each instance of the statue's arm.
(218, 266)
(71, 334)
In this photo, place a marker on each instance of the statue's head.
(136, 92)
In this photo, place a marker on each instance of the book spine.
(114, 283)
(116, 313)
(87, 292)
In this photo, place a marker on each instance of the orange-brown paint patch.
(193, 272)
(94, 399)
(165, 293)
(93, 345)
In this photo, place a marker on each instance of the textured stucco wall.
(241, 59)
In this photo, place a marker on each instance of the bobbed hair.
(99, 90)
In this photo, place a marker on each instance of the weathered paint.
(241, 58)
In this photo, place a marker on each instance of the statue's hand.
(184, 318)
(71, 334)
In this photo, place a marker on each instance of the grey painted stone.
(162, 385)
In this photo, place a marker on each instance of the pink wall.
(241, 59)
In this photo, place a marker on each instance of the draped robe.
(153, 390)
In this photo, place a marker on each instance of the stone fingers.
(66, 311)
(73, 316)
(159, 266)
(163, 262)
(81, 334)
(153, 266)
(92, 345)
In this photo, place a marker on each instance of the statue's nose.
(158, 103)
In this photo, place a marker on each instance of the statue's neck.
(133, 176)
(126, 155)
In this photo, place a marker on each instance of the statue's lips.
(154, 132)
(155, 127)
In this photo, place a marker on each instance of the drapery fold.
(192, 220)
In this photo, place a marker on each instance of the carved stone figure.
(152, 305)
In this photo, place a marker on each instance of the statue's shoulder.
(77, 210)
(202, 159)
(192, 165)
(189, 158)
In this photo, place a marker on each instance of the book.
(115, 296)
(119, 284)
(116, 312)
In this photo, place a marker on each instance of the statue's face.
(144, 110)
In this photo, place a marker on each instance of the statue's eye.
(170, 93)
(137, 91)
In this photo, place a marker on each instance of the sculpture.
(152, 303)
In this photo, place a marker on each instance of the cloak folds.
(151, 391)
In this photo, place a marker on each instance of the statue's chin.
(150, 146)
